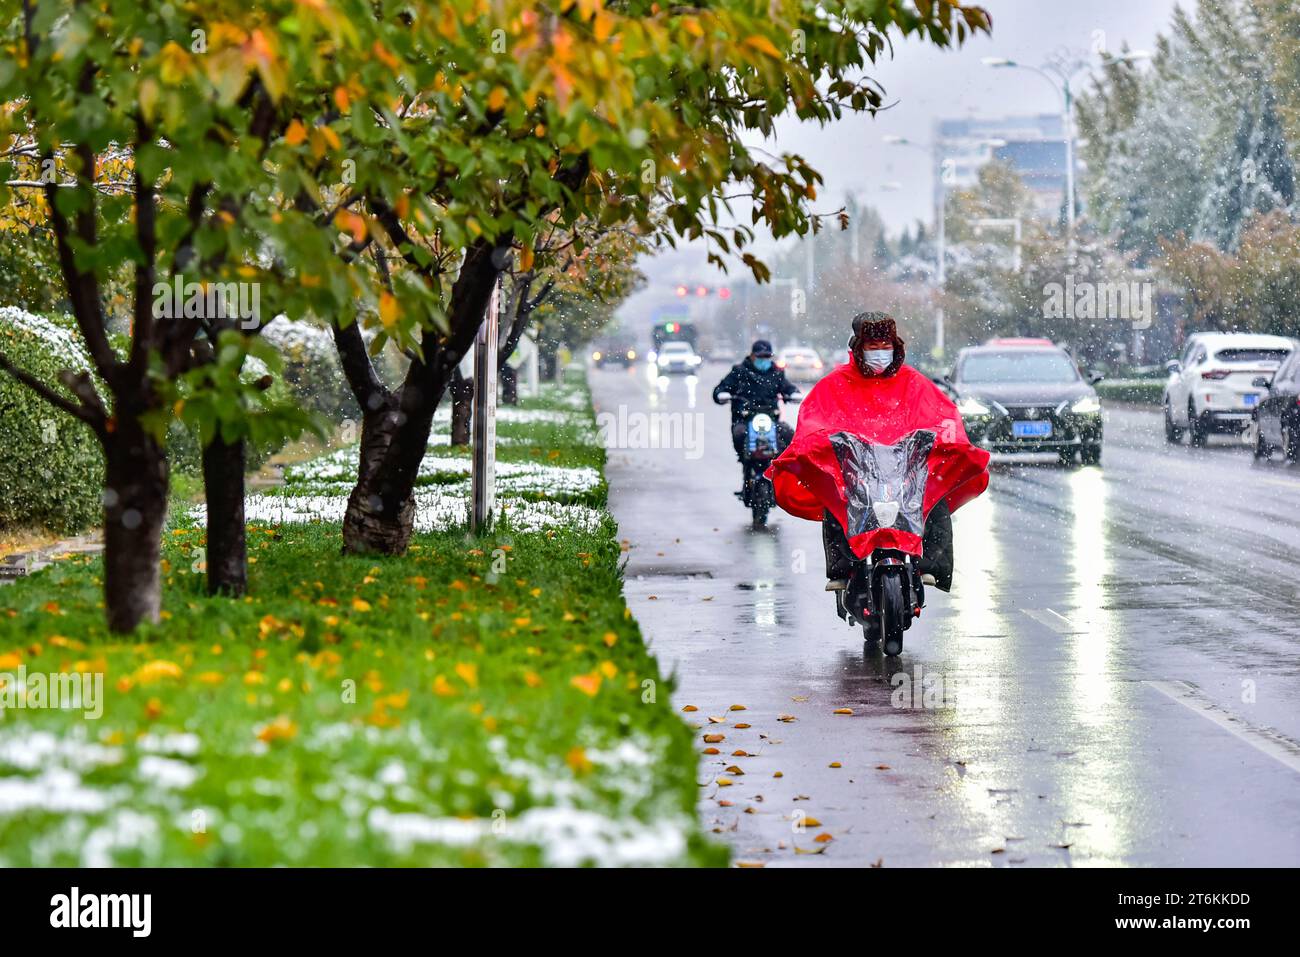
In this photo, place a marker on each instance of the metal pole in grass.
(483, 468)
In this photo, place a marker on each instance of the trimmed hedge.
(1136, 391)
(51, 467)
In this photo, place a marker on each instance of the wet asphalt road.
(1118, 656)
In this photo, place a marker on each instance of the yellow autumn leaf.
(360, 604)
(281, 729)
(468, 673)
(389, 310)
(352, 223)
(578, 761)
(763, 45)
(156, 671)
(587, 684)
(496, 99)
(296, 133)
(442, 687)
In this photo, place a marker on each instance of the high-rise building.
(1031, 144)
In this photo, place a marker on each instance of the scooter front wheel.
(890, 623)
(759, 513)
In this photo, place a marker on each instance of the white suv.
(1211, 389)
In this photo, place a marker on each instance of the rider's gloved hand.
(722, 398)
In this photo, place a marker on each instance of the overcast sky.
(924, 83)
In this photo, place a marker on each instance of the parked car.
(677, 357)
(1027, 395)
(1212, 387)
(1277, 413)
(801, 364)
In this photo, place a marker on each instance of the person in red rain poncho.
(875, 399)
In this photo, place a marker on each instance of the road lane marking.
(1053, 620)
(1278, 747)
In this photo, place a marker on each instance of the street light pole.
(1060, 72)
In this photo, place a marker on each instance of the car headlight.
(972, 406)
(1087, 405)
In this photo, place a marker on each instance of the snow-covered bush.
(51, 467)
(311, 366)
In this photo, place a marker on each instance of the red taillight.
(1216, 374)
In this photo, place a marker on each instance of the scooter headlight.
(886, 513)
(1086, 406)
(762, 422)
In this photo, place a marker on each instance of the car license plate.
(1031, 430)
(1251, 399)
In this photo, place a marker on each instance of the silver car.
(800, 364)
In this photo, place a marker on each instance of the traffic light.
(701, 291)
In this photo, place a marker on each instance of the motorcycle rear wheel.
(760, 516)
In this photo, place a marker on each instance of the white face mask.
(878, 360)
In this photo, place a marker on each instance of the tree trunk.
(509, 384)
(462, 408)
(381, 509)
(135, 506)
(223, 485)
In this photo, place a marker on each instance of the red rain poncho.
(807, 476)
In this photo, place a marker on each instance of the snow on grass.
(339, 468)
(437, 508)
(564, 831)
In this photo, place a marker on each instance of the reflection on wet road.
(1113, 680)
